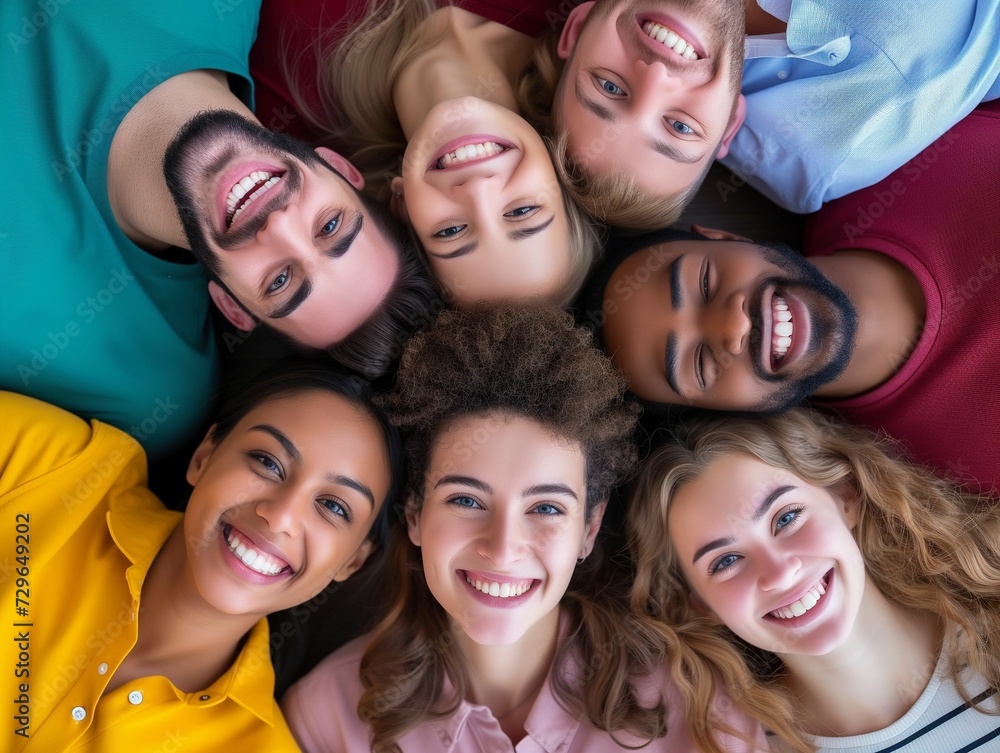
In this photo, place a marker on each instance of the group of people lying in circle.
(419, 193)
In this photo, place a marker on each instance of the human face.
(481, 194)
(726, 324)
(301, 255)
(502, 524)
(630, 104)
(770, 555)
(299, 480)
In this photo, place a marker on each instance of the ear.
(718, 235)
(571, 31)
(850, 507)
(230, 308)
(592, 528)
(397, 203)
(735, 121)
(342, 166)
(199, 460)
(412, 514)
(356, 562)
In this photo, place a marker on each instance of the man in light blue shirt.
(853, 90)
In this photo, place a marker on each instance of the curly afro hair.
(526, 360)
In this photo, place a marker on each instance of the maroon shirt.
(939, 216)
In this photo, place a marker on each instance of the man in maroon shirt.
(894, 319)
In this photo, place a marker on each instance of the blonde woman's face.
(772, 556)
(481, 194)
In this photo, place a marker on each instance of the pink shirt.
(321, 710)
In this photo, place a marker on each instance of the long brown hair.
(530, 362)
(927, 544)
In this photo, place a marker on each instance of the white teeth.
(781, 329)
(248, 190)
(262, 563)
(470, 152)
(798, 608)
(500, 590)
(670, 39)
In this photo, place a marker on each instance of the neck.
(470, 56)
(891, 309)
(507, 679)
(139, 197)
(180, 636)
(759, 21)
(887, 662)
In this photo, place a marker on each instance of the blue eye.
(330, 227)
(449, 232)
(521, 212)
(546, 509)
(264, 461)
(278, 282)
(337, 508)
(722, 563)
(610, 87)
(467, 502)
(682, 128)
(787, 518)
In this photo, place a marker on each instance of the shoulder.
(322, 708)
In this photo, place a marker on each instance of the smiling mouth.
(501, 590)
(256, 560)
(469, 153)
(782, 329)
(670, 39)
(246, 191)
(807, 601)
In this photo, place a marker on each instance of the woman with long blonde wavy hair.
(846, 598)
(420, 95)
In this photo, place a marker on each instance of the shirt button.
(782, 75)
(204, 698)
(102, 668)
(79, 713)
(135, 697)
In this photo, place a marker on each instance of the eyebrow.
(670, 363)
(514, 235)
(482, 486)
(757, 515)
(672, 152)
(353, 484)
(593, 105)
(284, 441)
(338, 249)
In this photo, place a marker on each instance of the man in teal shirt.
(105, 312)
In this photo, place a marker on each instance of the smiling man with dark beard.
(893, 317)
(107, 314)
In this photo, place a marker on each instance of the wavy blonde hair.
(927, 544)
(357, 69)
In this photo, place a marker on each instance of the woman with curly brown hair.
(500, 630)
(847, 599)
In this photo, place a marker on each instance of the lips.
(252, 554)
(804, 603)
(498, 586)
(246, 191)
(670, 39)
(467, 150)
(682, 40)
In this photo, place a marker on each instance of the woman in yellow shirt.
(133, 627)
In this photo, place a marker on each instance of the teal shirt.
(88, 320)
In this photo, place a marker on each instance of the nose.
(777, 570)
(287, 229)
(282, 512)
(729, 323)
(653, 78)
(501, 539)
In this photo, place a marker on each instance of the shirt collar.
(140, 530)
(813, 33)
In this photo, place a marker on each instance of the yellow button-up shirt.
(79, 532)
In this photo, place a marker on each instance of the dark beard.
(183, 170)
